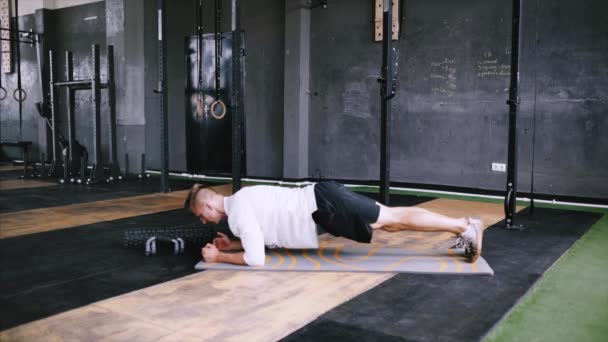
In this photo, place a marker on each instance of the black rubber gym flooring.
(64, 194)
(411, 307)
(47, 273)
(10, 174)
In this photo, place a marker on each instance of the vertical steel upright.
(162, 89)
(40, 45)
(236, 97)
(513, 101)
(69, 159)
(387, 91)
(111, 87)
(18, 59)
(97, 171)
(54, 169)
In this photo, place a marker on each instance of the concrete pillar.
(125, 30)
(296, 89)
(44, 133)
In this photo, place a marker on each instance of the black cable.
(396, 48)
(401, 13)
(199, 53)
(534, 110)
(18, 62)
(218, 47)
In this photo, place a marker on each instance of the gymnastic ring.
(2, 93)
(22, 95)
(223, 107)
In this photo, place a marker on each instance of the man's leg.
(469, 231)
(419, 219)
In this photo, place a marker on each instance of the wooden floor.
(11, 184)
(54, 218)
(47, 219)
(9, 167)
(225, 305)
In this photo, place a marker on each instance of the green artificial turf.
(570, 302)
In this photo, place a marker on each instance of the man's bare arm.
(232, 258)
(235, 245)
(224, 243)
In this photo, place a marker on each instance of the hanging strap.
(218, 108)
(218, 46)
(397, 43)
(199, 56)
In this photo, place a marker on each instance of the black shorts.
(342, 212)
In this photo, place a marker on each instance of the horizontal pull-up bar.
(20, 31)
(87, 86)
(30, 41)
(84, 84)
(27, 37)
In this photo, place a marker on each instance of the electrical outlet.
(499, 167)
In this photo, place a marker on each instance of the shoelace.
(463, 240)
(460, 242)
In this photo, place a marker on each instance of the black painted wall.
(209, 140)
(181, 23)
(64, 29)
(263, 23)
(450, 117)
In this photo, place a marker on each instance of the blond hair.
(196, 188)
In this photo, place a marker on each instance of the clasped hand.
(211, 252)
(222, 241)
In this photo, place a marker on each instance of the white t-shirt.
(272, 216)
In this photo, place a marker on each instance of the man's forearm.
(232, 258)
(235, 245)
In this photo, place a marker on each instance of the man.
(276, 216)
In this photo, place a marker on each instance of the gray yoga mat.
(363, 259)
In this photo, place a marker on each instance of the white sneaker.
(471, 239)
